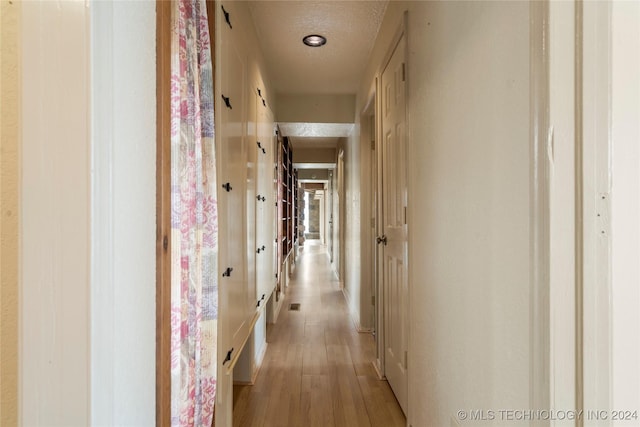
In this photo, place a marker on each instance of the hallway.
(317, 370)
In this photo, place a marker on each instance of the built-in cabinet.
(247, 244)
(265, 202)
(287, 226)
(286, 196)
(260, 233)
(235, 284)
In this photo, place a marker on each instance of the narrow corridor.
(317, 370)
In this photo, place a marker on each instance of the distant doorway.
(313, 211)
(312, 216)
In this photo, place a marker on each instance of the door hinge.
(405, 215)
(403, 72)
(373, 300)
(373, 145)
(406, 359)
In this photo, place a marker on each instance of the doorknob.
(382, 239)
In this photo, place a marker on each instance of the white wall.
(625, 208)
(88, 214)
(468, 130)
(559, 160)
(123, 316)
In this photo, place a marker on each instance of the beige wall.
(314, 155)
(9, 212)
(352, 239)
(339, 219)
(315, 108)
(322, 174)
(55, 215)
(468, 165)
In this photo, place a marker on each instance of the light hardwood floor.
(317, 370)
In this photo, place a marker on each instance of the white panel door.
(394, 249)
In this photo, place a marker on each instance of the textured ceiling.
(335, 68)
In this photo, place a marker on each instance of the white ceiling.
(335, 68)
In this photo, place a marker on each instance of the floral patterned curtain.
(194, 219)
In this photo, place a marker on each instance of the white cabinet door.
(264, 211)
(251, 179)
(232, 197)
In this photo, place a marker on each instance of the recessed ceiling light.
(314, 40)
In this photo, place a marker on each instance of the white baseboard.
(376, 367)
(352, 315)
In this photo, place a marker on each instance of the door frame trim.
(401, 30)
(399, 35)
(163, 212)
(539, 393)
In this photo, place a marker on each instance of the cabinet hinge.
(403, 72)
(227, 102)
(373, 300)
(228, 358)
(405, 215)
(406, 359)
(226, 16)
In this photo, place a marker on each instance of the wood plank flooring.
(317, 370)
